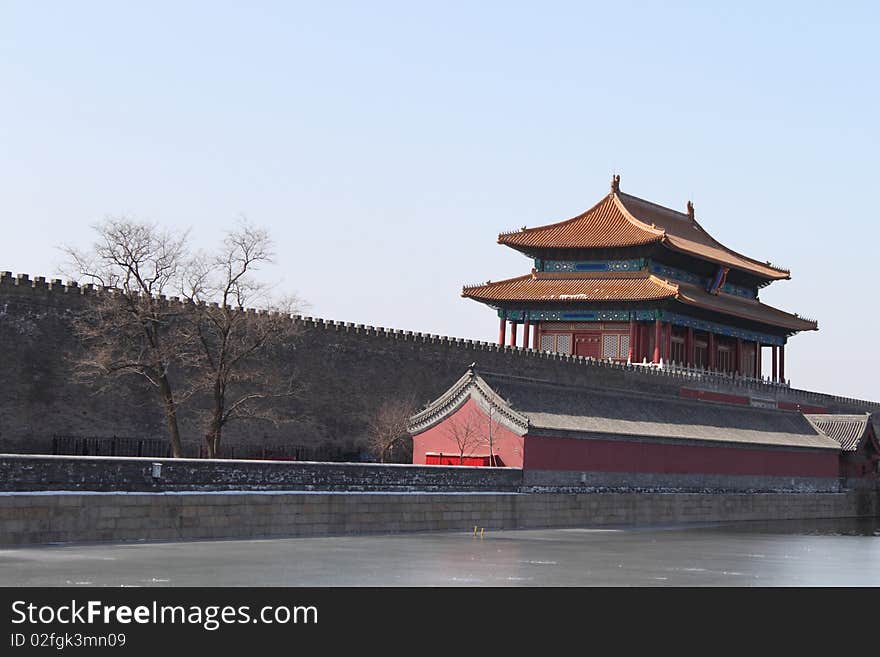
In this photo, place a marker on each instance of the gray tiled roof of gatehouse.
(546, 408)
(847, 430)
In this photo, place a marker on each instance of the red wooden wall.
(437, 439)
(543, 453)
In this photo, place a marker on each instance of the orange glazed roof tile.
(606, 224)
(540, 286)
(629, 286)
(751, 309)
(621, 220)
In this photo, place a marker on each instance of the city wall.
(346, 371)
(46, 499)
(32, 518)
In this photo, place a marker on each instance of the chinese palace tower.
(629, 280)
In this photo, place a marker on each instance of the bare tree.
(389, 426)
(230, 340)
(465, 429)
(490, 434)
(130, 328)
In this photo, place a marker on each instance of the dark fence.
(63, 445)
(109, 446)
(288, 453)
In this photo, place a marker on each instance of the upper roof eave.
(626, 221)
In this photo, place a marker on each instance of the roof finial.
(615, 183)
(690, 207)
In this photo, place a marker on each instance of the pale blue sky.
(385, 145)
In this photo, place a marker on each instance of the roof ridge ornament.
(690, 209)
(615, 183)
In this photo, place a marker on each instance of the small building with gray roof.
(860, 449)
(565, 435)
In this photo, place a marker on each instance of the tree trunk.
(212, 438)
(171, 416)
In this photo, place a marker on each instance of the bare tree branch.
(465, 431)
(230, 341)
(129, 328)
(388, 427)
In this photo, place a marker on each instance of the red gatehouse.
(565, 434)
(632, 281)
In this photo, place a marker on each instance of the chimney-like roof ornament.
(615, 183)
(690, 209)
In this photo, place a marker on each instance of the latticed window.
(559, 343)
(609, 346)
(563, 344)
(615, 345)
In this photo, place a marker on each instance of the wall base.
(58, 517)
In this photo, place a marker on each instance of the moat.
(792, 553)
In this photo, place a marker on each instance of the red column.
(513, 334)
(657, 338)
(737, 365)
(758, 359)
(667, 343)
(536, 339)
(782, 363)
(632, 342)
(526, 329)
(710, 347)
(775, 376)
(502, 329)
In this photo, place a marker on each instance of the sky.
(385, 145)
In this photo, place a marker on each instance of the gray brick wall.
(347, 369)
(47, 473)
(27, 518)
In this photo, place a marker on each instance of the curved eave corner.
(761, 270)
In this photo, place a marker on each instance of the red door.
(588, 344)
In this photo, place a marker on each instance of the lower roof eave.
(825, 444)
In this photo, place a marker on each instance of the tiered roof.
(621, 220)
(573, 287)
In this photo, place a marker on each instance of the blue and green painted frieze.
(636, 264)
(639, 264)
